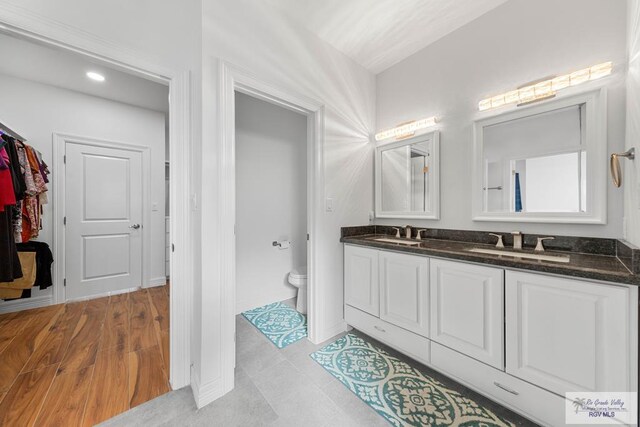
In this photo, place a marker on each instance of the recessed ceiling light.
(95, 76)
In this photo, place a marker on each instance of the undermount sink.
(399, 241)
(525, 255)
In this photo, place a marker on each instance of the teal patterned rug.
(401, 394)
(280, 323)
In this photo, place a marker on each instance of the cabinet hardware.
(379, 328)
(505, 388)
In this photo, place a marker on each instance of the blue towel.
(518, 195)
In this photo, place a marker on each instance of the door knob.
(135, 226)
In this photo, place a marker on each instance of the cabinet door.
(361, 288)
(569, 335)
(467, 310)
(404, 291)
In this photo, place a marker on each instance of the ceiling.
(380, 33)
(56, 67)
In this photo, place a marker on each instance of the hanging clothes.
(17, 175)
(44, 259)
(10, 268)
(7, 193)
(23, 192)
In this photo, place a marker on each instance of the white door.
(103, 209)
(404, 291)
(569, 335)
(361, 289)
(467, 311)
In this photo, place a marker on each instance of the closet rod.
(6, 129)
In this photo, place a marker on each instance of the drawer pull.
(507, 389)
(379, 328)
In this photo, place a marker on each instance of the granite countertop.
(603, 267)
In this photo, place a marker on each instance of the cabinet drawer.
(530, 401)
(412, 345)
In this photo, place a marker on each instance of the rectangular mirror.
(543, 163)
(407, 178)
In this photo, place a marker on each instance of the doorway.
(271, 204)
(237, 80)
(113, 344)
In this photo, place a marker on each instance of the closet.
(24, 175)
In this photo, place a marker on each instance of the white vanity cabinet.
(570, 335)
(522, 339)
(361, 275)
(404, 291)
(467, 309)
(387, 297)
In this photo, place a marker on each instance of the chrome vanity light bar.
(546, 88)
(406, 129)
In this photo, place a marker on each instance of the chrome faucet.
(407, 231)
(517, 239)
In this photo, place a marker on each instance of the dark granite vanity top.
(597, 259)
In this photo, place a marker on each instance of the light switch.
(329, 204)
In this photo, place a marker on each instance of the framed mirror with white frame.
(543, 162)
(407, 178)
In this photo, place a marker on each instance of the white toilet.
(298, 278)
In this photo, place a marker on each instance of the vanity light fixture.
(406, 129)
(95, 76)
(546, 88)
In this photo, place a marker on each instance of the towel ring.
(616, 174)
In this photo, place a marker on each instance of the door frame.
(22, 23)
(234, 79)
(58, 174)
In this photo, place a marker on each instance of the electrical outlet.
(372, 216)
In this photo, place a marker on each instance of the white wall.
(515, 43)
(271, 200)
(631, 184)
(257, 38)
(36, 111)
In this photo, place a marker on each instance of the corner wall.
(255, 37)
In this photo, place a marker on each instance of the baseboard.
(25, 303)
(158, 281)
(104, 294)
(207, 393)
(261, 300)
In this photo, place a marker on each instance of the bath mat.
(280, 323)
(400, 393)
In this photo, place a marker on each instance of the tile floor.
(274, 387)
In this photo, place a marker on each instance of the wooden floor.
(81, 363)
